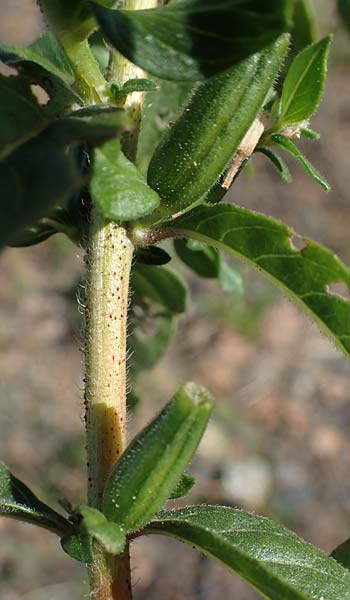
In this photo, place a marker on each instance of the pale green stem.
(109, 259)
(121, 70)
(90, 83)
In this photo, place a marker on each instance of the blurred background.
(279, 441)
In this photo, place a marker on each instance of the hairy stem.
(109, 259)
(108, 266)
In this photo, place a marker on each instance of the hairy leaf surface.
(46, 52)
(198, 148)
(272, 559)
(118, 188)
(95, 524)
(150, 468)
(17, 501)
(304, 84)
(194, 39)
(268, 245)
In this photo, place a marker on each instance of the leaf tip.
(199, 396)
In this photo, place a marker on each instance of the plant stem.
(109, 258)
(121, 70)
(90, 82)
(108, 266)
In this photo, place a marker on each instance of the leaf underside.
(267, 244)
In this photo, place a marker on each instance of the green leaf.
(193, 39)
(94, 125)
(184, 486)
(79, 547)
(272, 559)
(35, 177)
(17, 501)
(148, 471)
(278, 162)
(161, 285)
(309, 133)
(157, 115)
(44, 63)
(46, 53)
(342, 554)
(195, 152)
(159, 294)
(22, 118)
(305, 27)
(205, 261)
(149, 340)
(304, 84)
(32, 235)
(109, 534)
(152, 255)
(133, 85)
(344, 12)
(118, 188)
(68, 17)
(268, 245)
(287, 144)
(230, 280)
(139, 85)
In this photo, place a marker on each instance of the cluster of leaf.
(150, 473)
(58, 157)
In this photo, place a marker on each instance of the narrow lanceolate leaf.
(342, 554)
(344, 12)
(21, 116)
(304, 84)
(272, 559)
(278, 162)
(287, 144)
(267, 244)
(118, 188)
(150, 468)
(309, 133)
(194, 39)
(95, 524)
(133, 85)
(200, 146)
(17, 501)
